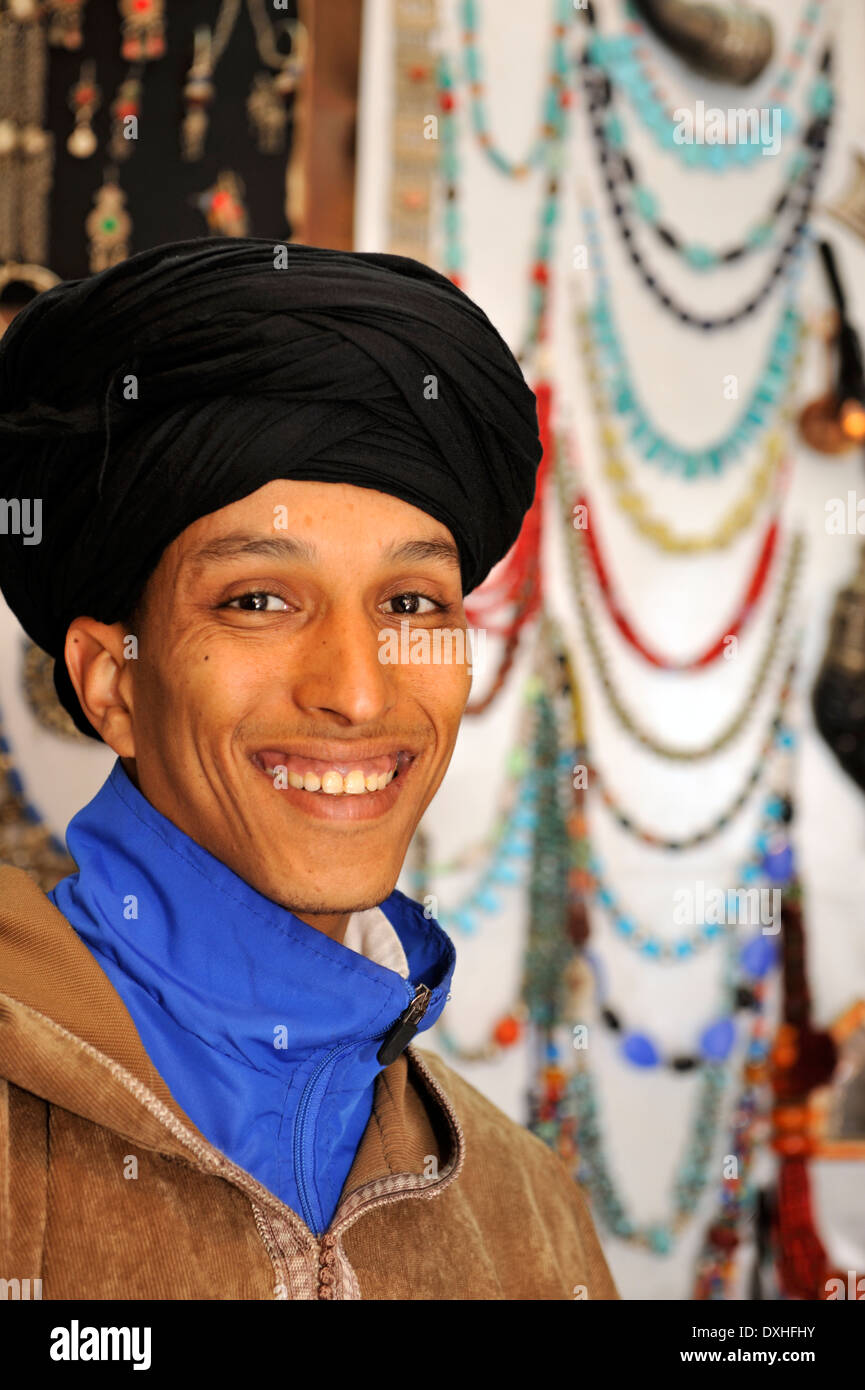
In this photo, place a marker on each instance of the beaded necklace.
(737, 723)
(770, 858)
(594, 1170)
(566, 1111)
(716, 1040)
(509, 1028)
(617, 169)
(680, 843)
(624, 59)
(621, 393)
(508, 846)
(621, 173)
(673, 752)
(516, 584)
(557, 96)
(656, 529)
(453, 253)
(737, 1201)
(590, 547)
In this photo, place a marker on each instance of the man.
(257, 462)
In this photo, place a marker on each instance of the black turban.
(252, 361)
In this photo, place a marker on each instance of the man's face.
(259, 648)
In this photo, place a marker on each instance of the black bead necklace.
(618, 167)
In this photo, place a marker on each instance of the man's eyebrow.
(237, 545)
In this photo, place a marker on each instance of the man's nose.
(340, 671)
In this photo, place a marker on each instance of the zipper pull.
(402, 1032)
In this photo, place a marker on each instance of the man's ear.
(96, 659)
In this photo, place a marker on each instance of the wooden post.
(321, 174)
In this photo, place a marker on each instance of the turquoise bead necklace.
(511, 848)
(646, 204)
(619, 56)
(562, 1104)
(565, 1107)
(505, 853)
(624, 402)
(617, 172)
(768, 859)
(692, 1175)
(453, 251)
(556, 96)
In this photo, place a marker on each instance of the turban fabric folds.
(136, 401)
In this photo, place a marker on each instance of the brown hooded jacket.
(108, 1190)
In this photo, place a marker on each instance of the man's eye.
(407, 603)
(257, 602)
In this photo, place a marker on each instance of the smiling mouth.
(359, 777)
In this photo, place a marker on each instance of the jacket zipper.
(395, 1039)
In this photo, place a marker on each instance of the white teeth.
(332, 783)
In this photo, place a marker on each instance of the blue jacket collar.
(249, 1014)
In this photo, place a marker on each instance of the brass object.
(142, 30)
(821, 428)
(199, 90)
(108, 225)
(223, 206)
(266, 104)
(849, 207)
(838, 698)
(39, 276)
(821, 423)
(846, 647)
(724, 42)
(13, 273)
(26, 145)
(66, 23)
(38, 681)
(414, 156)
(85, 99)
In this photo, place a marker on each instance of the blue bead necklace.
(770, 861)
(618, 175)
(556, 95)
(619, 56)
(623, 399)
(717, 1039)
(551, 159)
(618, 160)
(565, 1108)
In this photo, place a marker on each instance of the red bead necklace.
(734, 628)
(515, 584)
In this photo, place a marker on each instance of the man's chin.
(332, 898)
